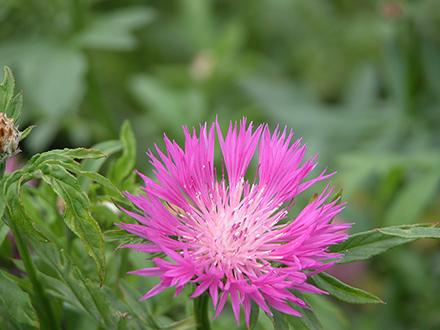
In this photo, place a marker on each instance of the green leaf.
(19, 214)
(309, 318)
(70, 285)
(124, 166)
(26, 132)
(344, 291)
(76, 168)
(7, 88)
(17, 302)
(4, 230)
(113, 31)
(94, 165)
(128, 206)
(79, 153)
(310, 321)
(255, 312)
(362, 246)
(278, 320)
(77, 213)
(188, 323)
(412, 232)
(15, 107)
(141, 309)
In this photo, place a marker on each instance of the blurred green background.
(358, 80)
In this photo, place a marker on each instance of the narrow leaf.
(278, 320)
(17, 302)
(362, 246)
(188, 323)
(309, 318)
(81, 153)
(15, 106)
(26, 132)
(7, 88)
(94, 165)
(255, 312)
(310, 321)
(140, 309)
(413, 232)
(344, 291)
(77, 213)
(125, 164)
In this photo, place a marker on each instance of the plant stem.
(2, 169)
(44, 309)
(201, 312)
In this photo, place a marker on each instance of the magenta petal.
(230, 235)
(148, 272)
(154, 291)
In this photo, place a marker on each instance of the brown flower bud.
(9, 138)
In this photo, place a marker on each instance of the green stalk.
(201, 312)
(2, 170)
(44, 308)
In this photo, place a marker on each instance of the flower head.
(231, 236)
(9, 138)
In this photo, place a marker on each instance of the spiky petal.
(230, 236)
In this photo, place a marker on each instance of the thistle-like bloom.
(229, 235)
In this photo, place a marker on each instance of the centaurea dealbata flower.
(229, 236)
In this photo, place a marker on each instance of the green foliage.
(17, 302)
(343, 291)
(357, 80)
(362, 246)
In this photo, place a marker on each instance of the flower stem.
(2, 170)
(201, 312)
(44, 307)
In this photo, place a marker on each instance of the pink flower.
(230, 236)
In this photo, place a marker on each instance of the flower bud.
(9, 138)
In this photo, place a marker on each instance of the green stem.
(201, 312)
(2, 169)
(44, 309)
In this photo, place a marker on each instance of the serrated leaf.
(413, 232)
(76, 168)
(7, 88)
(77, 213)
(344, 291)
(17, 302)
(362, 246)
(124, 166)
(15, 107)
(80, 153)
(278, 320)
